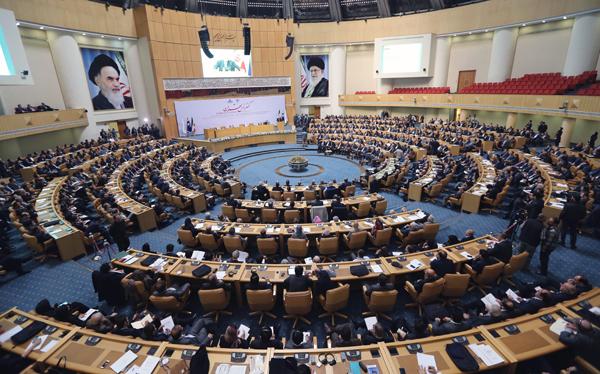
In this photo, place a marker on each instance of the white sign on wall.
(193, 116)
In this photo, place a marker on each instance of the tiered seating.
(592, 90)
(533, 84)
(364, 93)
(420, 90)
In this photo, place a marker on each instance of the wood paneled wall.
(175, 48)
(74, 14)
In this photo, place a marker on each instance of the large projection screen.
(403, 57)
(193, 116)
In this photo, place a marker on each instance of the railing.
(18, 125)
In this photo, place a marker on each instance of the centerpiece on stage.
(298, 163)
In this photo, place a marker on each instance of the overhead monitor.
(14, 69)
(226, 63)
(403, 57)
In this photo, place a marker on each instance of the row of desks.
(221, 132)
(487, 175)
(197, 198)
(74, 351)
(415, 188)
(68, 238)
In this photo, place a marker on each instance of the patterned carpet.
(71, 281)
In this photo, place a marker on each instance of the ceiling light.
(470, 33)
(524, 25)
(84, 34)
(18, 23)
(119, 38)
(486, 30)
(454, 35)
(41, 27)
(544, 21)
(564, 17)
(102, 36)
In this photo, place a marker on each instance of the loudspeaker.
(289, 41)
(204, 39)
(247, 43)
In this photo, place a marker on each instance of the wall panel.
(541, 50)
(469, 53)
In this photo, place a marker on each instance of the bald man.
(429, 276)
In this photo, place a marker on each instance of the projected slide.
(193, 116)
(402, 58)
(6, 63)
(226, 63)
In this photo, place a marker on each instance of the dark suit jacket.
(478, 265)
(502, 251)
(531, 232)
(100, 102)
(294, 283)
(572, 213)
(321, 89)
(421, 282)
(442, 267)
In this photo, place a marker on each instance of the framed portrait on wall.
(107, 79)
(314, 77)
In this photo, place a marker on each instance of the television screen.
(403, 57)
(226, 63)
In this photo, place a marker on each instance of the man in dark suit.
(503, 249)
(383, 284)
(429, 276)
(297, 282)
(531, 234)
(572, 214)
(104, 73)
(441, 265)
(484, 259)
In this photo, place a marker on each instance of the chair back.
(214, 300)
(310, 195)
(456, 284)
(357, 240)
(187, 238)
(516, 263)
(364, 208)
(431, 291)
(328, 246)
(243, 214)
(233, 243)
(267, 246)
(436, 190)
(268, 215)
(297, 247)
(298, 303)
(229, 212)
(383, 237)
(380, 207)
(276, 195)
(208, 242)
(33, 243)
(320, 211)
(430, 230)
(138, 287)
(167, 303)
(289, 195)
(337, 298)
(261, 300)
(290, 216)
(413, 237)
(489, 274)
(382, 301)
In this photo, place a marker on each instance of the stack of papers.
(123, 362)
(141, 323)
(147, 366)
(489, 300)
(559, 326)
(243, 256)
(415, 264)
(486, 353)
(197, 255)
(167, 324)
(376, 268)
(425, 360)
(221, 274)
(466, 255)
(243, 331)
(370, 322)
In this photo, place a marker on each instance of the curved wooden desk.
(197, 198)
(487, 174)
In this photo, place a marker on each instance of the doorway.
(465, 79)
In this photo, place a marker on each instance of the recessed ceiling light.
(564, 17)
(524, 25)
(544, 21)
(454, 35)
(470, 33)
(119, 38)
(102, 36)
(18, 23)
(84, 34)
(41, 27)
(486, 30)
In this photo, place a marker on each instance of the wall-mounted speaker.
(247, 42)
(289, 42)
(204, 39)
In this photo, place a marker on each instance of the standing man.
(570, 217)
(531, 233)
(593, 138)
(549, 241)
(118, 231)
(104, 73)
(558, 136)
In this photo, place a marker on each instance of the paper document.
(39, 346)
(306, 335)
(9, 334)
(489, 300)
(558, 326)
(141, 323)
(466, 255)
(123, 362)
(221, 274)
(131, 260)
(376, 268)
(243, 331)
(49, 345)
(370, 322)
(243, 256)
(197, 255)
(291, 271)
(425, 360)
(487, 354)
(308, 261)
(415, 264)
(397, 254)
(595, 310)
(167, 324)
(149, 364)
(513, 296)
